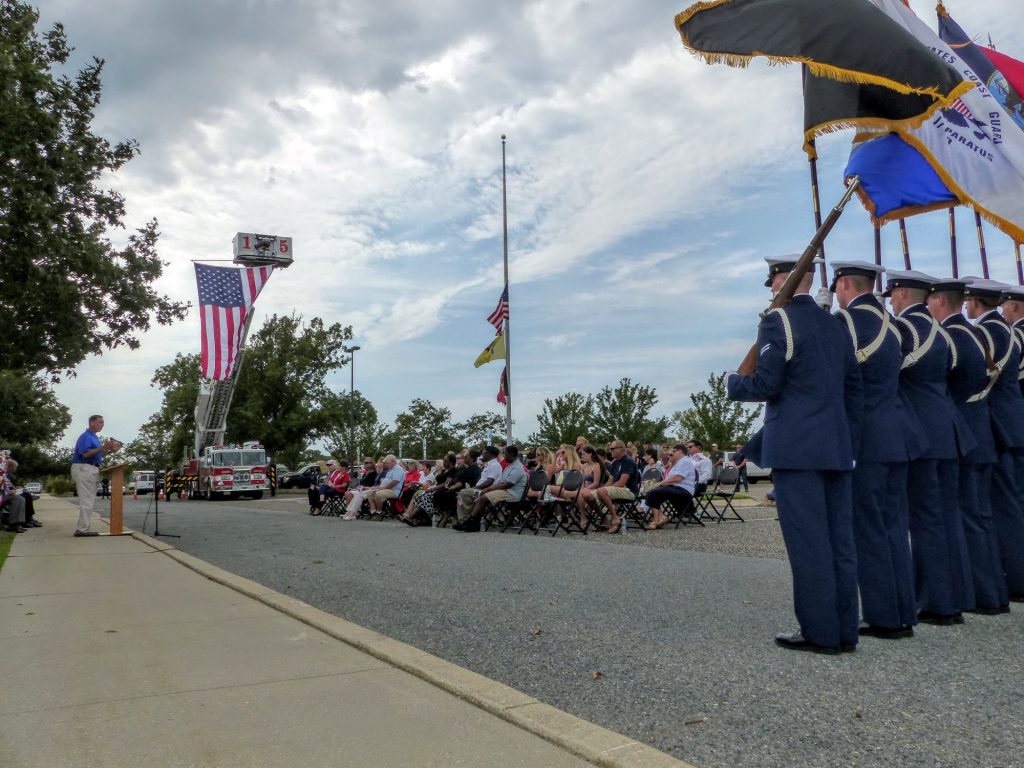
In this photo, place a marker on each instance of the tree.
(624, 413)
(714, 418)
(480, 429)
(280, 398)
(282, 385)
(31, 412)
(564, 419)
(76, 293)
(168, 436)
(353, 429)
(425, 420)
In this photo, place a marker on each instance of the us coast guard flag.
(973, 145)
(226, 296)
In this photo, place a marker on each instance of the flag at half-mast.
(494, 351)
(972, 145)
(500, 313)
(503, 393)
(226, 297)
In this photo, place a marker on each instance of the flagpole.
(878, 255)
(508, 340)
(1020, 268)
(952, 240)
(815, 196)
(906, 244)
(981, 245)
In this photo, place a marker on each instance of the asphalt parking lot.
(663, 636)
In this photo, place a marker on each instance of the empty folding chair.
(725, 489)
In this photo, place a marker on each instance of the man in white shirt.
(703, 465)
(489, 476)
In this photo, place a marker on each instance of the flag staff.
(508, 340)
(812, 160)
(878, 255)
(952, 240)
(981, 245)
(1020, 267)
(906, 244)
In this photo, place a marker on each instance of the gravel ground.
(678, 623)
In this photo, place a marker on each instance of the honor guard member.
(943, 586)
(889, 437)
(969, 384)
(808, 377)
(1012, 303)
(1006, 406)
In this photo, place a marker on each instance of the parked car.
(754, 472)
(141, 482)
(34, 487)
(300, 478)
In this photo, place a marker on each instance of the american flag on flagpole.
(226, 296)
(500, 312)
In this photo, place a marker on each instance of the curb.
(583, 739)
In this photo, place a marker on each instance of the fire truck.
(217, 471)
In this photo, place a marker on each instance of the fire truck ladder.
(214, 402)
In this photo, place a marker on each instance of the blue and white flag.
(973, 146)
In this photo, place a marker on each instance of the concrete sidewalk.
(121, 651)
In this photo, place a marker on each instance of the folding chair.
(528, 508)
(504, 512)
(564, 514)
(679, 514)
(728, 476)
(333, 506)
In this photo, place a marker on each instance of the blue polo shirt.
(86, 442)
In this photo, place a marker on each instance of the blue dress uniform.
(969, 385)
(1006, 406)
(889, 437)
(943, 586)
(808, 377)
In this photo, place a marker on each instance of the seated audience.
(595, 474)
(421, 509)
(489, 475)
(389, 486)
(677, 488)
(335, 484)
(467, 473)
(623, 484)
(511, 486)
(703, 466)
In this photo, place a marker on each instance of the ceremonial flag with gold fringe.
(972, 144)
(494, 351)
(877, 76)
(1013, 71)
(998, 85)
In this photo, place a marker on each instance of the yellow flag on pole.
(494, 351)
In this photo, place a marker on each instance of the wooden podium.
(116, 501)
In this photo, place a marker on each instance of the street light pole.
(352, 401)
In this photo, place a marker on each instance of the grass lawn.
(6, 537)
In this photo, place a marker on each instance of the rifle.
(803, 264)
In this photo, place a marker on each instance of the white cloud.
(644, 186)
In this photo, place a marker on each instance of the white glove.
(824, 298)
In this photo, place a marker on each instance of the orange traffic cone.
(161, 496)
(135, 495)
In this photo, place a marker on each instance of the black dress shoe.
(885, 633)
(87, 533)
(794, 641)
(940, 619)
(34, 524)
(469, 525)
(983, 611)
(1017, 598)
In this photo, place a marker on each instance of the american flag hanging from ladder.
(500, 313)
(226, 296)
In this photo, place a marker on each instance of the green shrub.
(59, 485)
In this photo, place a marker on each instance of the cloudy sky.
(644, 187)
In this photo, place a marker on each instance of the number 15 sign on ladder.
(251, 248)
